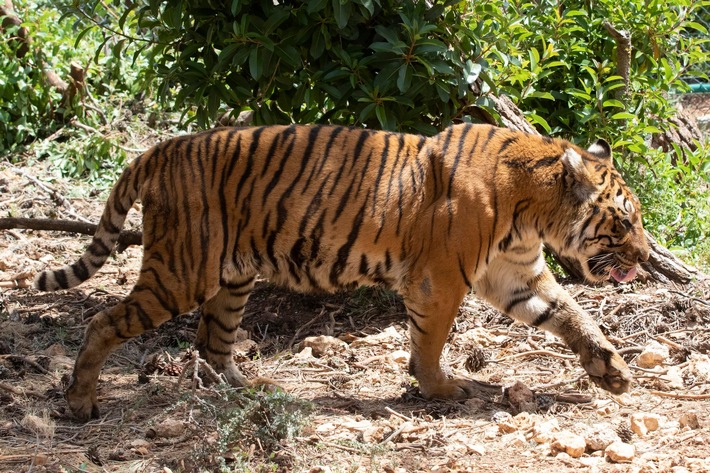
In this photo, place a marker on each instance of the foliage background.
(388, 64)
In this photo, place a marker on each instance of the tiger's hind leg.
(149, 305)
(221, 317)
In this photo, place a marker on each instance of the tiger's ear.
(600, 149)
(577, 178)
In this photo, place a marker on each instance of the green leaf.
(538, 120)
(471, 71)
(623, 116)
(404, 78)
(81, 35)
(534, 58)
(316, 5)
(541, 95)
(388, 33)
(366, 112)
(342, 13)
(256, 66)
(613, 103)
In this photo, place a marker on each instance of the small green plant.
(264, 416)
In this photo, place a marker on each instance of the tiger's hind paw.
(84, 406)
(456, 389)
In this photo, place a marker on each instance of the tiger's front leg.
(531, 295)
(432, 303)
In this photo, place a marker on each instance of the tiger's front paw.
(609, 371)
(82, 402)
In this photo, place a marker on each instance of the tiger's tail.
(123, 195)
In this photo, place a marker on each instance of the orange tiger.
(328, 208)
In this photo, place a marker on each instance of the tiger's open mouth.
(621, 275)
(605, 265)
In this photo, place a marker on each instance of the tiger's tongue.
(623, 276)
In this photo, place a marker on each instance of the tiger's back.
(329, 208)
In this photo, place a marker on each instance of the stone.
(599, 436)
(543, 432)
(572, 444)
(700, 366)
(522, 421)
(169, 428)
(653, 354)
(514, 439)
(304, 355)
(620, 452)
(644, 422)
(324, 345)
(673, 378)
(689, 419)
(521, 398)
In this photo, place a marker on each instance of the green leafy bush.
(385, 64)
(74, 133)
(27, 103)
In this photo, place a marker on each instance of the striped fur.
(330, 208)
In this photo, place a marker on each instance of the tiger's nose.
(642, 253)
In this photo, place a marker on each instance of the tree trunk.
(662, 266)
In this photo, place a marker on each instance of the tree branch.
(125, 239)
(623, 57)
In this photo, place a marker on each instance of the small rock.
(689, 419)
(653, 354)
(326, 428)
(320, 469)
(324, 344)
(644, 422)
(169, 428)
(304, 355)
(700, 366)
(476, 448)
(387, 338)
(373, 434)
(521, 398)
(605, 407)
(491, 432)
(515, 439)
(620, 452)
(400, 356)
(56, 349)
(522, 421)
(600, 436)
(500, 416)
(572, 444)
(543, 432)
(673, 378)
(679, 469)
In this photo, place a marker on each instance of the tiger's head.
(607, 237)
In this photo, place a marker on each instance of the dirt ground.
(349, 404)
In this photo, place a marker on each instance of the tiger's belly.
(313, 267)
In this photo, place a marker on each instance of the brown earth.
(358, 406)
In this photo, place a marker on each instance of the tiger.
(325, 208)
